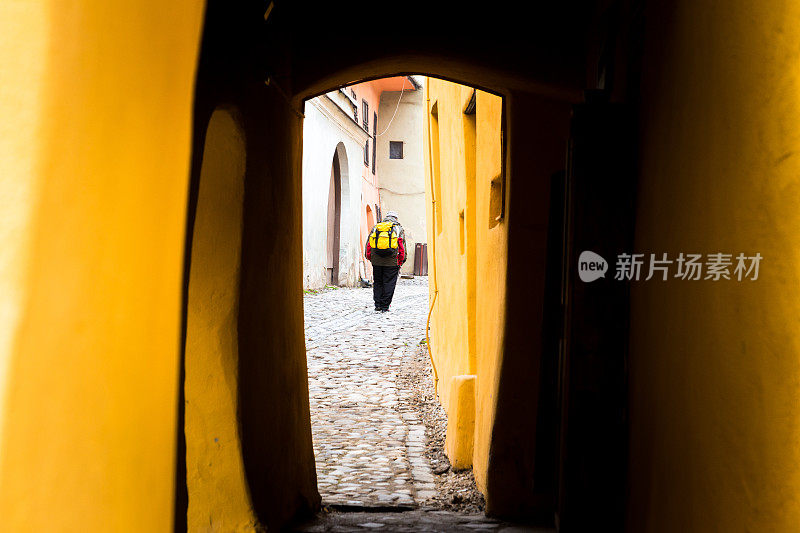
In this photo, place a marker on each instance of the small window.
(365, 108)
(366, 152)
(395, 149)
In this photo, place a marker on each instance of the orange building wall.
(369, 182)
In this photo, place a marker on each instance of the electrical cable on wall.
(433, 250)
(401, 193)
(395, 110)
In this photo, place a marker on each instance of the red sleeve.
(401, 252)
(368, 251)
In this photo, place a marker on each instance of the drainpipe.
(433, 243)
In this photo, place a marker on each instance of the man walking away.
(386, 249)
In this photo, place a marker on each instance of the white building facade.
(333, 148)
(343, 138)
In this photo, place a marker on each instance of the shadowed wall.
(219, 498)
(715, 366)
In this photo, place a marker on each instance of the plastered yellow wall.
(467, 318)
(219, 498)
(20, 21)
(450, 319)
(96, 99)
(491, 254)
(715, 366)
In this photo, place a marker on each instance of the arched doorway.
(370, 221)
(370, 218)
(334, 223)
(336, 240)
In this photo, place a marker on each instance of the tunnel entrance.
(368, 439)
(495, 323)
(359, 439)
(106, 339)
(379, 411)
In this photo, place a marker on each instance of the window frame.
(393, 144)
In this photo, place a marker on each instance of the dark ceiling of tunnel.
(306, 47)
(543, 42)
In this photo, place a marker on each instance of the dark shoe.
(384, 310)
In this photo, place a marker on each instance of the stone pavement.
(368, 447)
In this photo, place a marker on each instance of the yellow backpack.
(383, 239)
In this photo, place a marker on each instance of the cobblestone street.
(369, 446)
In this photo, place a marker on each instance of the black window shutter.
(374, 139)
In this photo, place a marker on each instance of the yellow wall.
(715, 366)
(96, 100)
(219, 498)
(465, 155)
(492, 246)
(450, 329)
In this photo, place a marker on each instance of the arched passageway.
(508, 392)
(96, 202)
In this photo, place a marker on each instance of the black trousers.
(383, 286)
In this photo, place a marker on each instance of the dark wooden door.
(334, 223)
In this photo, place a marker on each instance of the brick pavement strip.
(369, 450)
